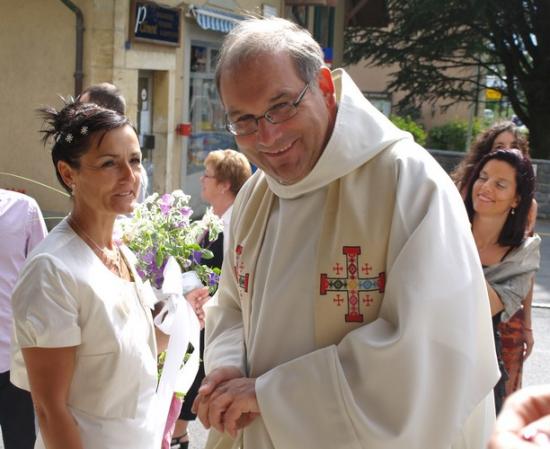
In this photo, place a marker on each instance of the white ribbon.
(177, 319)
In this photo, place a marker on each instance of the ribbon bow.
(177, 319)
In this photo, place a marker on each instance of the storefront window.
(208, 132)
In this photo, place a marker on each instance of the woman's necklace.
(112, 263)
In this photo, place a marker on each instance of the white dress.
(67, 297)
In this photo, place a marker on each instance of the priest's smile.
(279, 152)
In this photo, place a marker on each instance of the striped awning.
(215, 19)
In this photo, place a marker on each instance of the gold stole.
(351, 266)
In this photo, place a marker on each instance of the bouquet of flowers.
(162, 227)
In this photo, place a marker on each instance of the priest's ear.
(326, 85)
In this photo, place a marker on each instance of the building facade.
(160, 55)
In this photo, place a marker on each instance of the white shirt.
(21, 229)
(226, 220)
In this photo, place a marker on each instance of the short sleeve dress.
(66, 297)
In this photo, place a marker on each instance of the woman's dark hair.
(513, 231)
(482, 146)
(72, 129)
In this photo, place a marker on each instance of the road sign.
(493, 94)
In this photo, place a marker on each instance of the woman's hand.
(198, 298)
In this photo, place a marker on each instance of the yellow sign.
(493, 94)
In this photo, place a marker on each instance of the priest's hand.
(227, 400)
(233, 405)
(208, 385)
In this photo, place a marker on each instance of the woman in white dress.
(85, 344)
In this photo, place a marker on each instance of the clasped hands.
(227, 400)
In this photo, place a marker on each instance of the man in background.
(21, 229)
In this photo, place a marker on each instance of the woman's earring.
(513, 211)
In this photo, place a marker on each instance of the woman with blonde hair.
(225, 172)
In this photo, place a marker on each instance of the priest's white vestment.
(356, 298)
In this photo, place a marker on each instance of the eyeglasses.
(277, 114)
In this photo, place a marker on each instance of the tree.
(446, 50)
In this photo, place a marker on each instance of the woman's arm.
(50, 372)
(528, 329)
(494, 300)
(531, 218)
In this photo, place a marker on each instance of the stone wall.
(450, 159)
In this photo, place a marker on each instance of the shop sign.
(154, 23)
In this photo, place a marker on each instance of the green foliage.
(452, 135)
(445, 50)
(408, 124)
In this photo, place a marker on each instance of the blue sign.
(153, 23)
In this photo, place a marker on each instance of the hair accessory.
(69, 138)
(84, 130)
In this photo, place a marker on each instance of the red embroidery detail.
(324, 284)
(366, 268)
(352, 284)
(368, 300)
(338, 268)
(381, 282)
(242, 278)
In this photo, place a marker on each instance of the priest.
(352, 310)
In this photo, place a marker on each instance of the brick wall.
(450, 159)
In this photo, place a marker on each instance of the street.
(537, 367)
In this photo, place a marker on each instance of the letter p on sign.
(140, 17)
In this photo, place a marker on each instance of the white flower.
(69, 138)
(84, 130)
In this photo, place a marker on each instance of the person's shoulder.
(57, 243)
(529, 248)
(10, 199)
(249, 187)
(531, 242)
(409, 158)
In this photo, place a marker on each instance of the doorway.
(145, 124)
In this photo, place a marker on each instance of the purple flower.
(165, 203)
(157, 274)
(186, 212)
(141, 273)
(213, 279)
(149, 257)
(196, 257)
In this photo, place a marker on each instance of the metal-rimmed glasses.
(279, 113)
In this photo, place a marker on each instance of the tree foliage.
(446, 49)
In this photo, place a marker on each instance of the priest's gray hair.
(253, 37)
